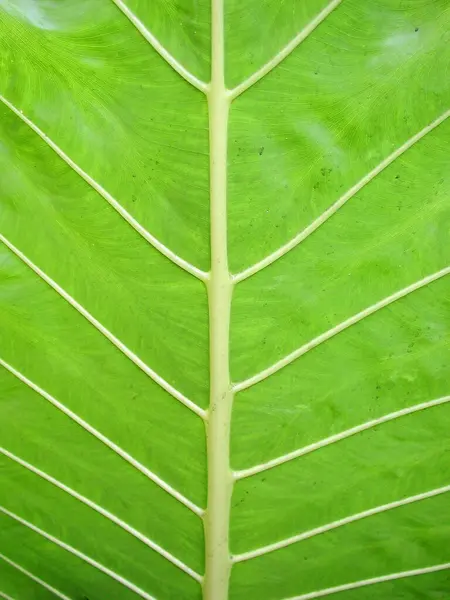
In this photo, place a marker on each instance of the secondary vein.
(270, 464)
(339, 523)
(287, 360)
(131, 586)
(102, 511)
(300, 237)
(285, 52)
(374, 580)
(102, 329)
(177, 260)
(152, 40)
(102, 438)
(38, 580)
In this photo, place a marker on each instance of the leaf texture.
(224, 299)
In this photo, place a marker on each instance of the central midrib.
(220, 479)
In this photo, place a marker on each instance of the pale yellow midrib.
(219, 286)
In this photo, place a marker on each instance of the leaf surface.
(232, 219)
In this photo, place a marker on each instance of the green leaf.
(224, 302)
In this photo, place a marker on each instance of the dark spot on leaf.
(416, 29)
(261, 150)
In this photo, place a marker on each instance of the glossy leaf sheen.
(115, 297)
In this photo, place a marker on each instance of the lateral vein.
(102, 329)
(102, 438)
(38, 580)
(285, 52)
(156, 45)
(339, 523)
(372, 581)
(270, 464)
(338, 328)
(131, 586)
(180, 262)
(295, 241)
(102, 511)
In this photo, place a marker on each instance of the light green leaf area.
(224, 299)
